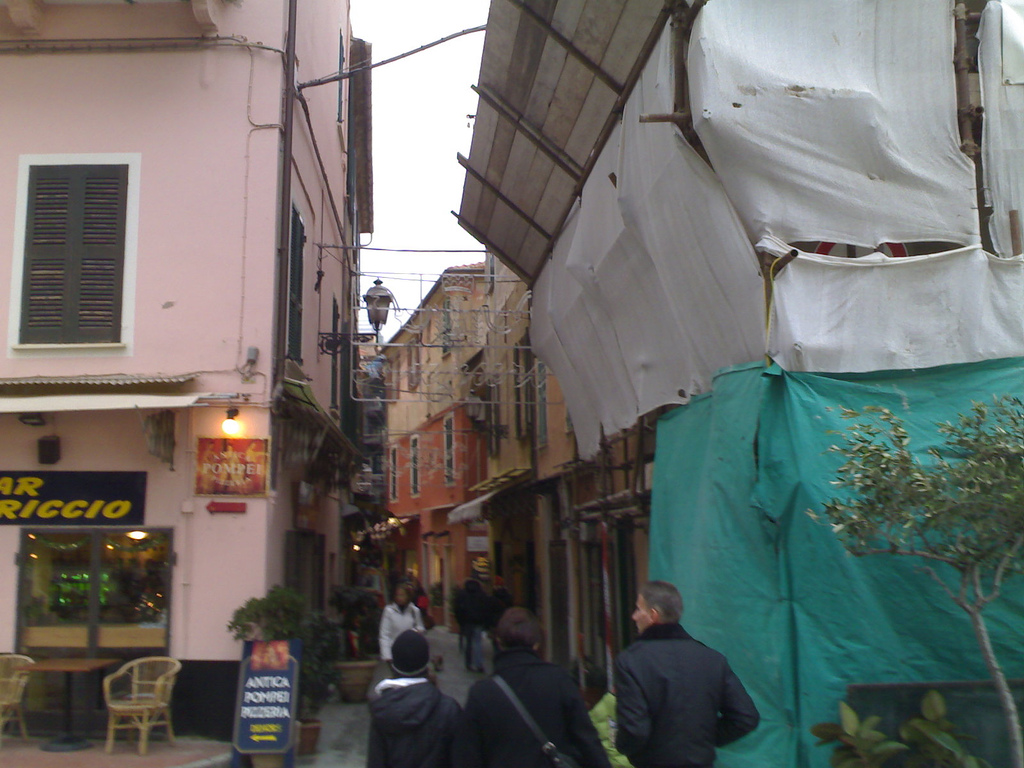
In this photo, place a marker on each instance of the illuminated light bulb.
(230, 425)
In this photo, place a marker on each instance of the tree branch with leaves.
(960, 505)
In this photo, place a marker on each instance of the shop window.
(94, 593)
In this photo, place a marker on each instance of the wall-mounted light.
(32, 419)
(137, 535)
(230, 425)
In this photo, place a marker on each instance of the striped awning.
(112, 380)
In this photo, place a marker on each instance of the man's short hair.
(519, 628)
(665, 598)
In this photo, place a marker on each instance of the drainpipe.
(284, 213)
(284, 222)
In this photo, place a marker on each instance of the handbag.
(555, 758)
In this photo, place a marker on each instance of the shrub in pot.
(359, 610)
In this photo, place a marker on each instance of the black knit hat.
(410, 654)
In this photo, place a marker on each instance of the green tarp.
(799, 618)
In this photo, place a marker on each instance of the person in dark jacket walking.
(677, 699)
(472, 612)
(412, 724)
(491, 732)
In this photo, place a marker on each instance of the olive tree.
(960, 505)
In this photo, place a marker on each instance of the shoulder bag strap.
(530, 722)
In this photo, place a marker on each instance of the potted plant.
(282, 615)
(359, 610)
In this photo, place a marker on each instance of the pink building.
(161, 273)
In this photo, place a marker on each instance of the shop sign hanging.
(231, 466)
(72, 498)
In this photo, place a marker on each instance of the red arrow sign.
(236, 507)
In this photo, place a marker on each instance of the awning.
(300, 395)
(52, 403)
(311, 438)
(499, 482)
(470, 511)
(111, 380)
(552, 85)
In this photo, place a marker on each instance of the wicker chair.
(138, 697)
(13, 677)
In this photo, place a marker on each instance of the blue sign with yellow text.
(72, 498)
(267, 696)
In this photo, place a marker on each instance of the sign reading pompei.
(231, 466)
(267, 696)
(72, 498)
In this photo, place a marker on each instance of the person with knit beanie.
(412, 724)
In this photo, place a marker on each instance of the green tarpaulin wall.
(798, 617)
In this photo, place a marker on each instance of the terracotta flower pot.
(354, 679)
(309, 735)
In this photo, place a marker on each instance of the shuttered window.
(298, 240)
(74, 254)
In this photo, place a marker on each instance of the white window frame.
(123, 348)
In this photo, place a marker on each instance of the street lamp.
(378, 299)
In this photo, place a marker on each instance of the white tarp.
(831, 120)
(835, 315)
(1012, 17)
(826, 120)
(653, 286)
(1000, 56)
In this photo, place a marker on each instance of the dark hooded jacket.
(412, 725)
(493, 735)
(677, 700)
(473, 606)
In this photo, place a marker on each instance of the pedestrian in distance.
(677, 699)
(397, 617)
(412, 724)
(493, 733)
(473, 612)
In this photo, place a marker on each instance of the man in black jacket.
(412, 724)
(492, 733)
(677, 699)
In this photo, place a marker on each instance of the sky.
(421, 109)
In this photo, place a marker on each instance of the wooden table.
(68, 741)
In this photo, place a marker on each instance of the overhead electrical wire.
(356, 70)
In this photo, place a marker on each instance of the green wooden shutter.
(74, 254)
(298, 239)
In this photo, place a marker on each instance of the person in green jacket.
(602, 715)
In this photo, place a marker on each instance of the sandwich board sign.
(268, 696)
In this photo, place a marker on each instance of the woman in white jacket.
(398, 617)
